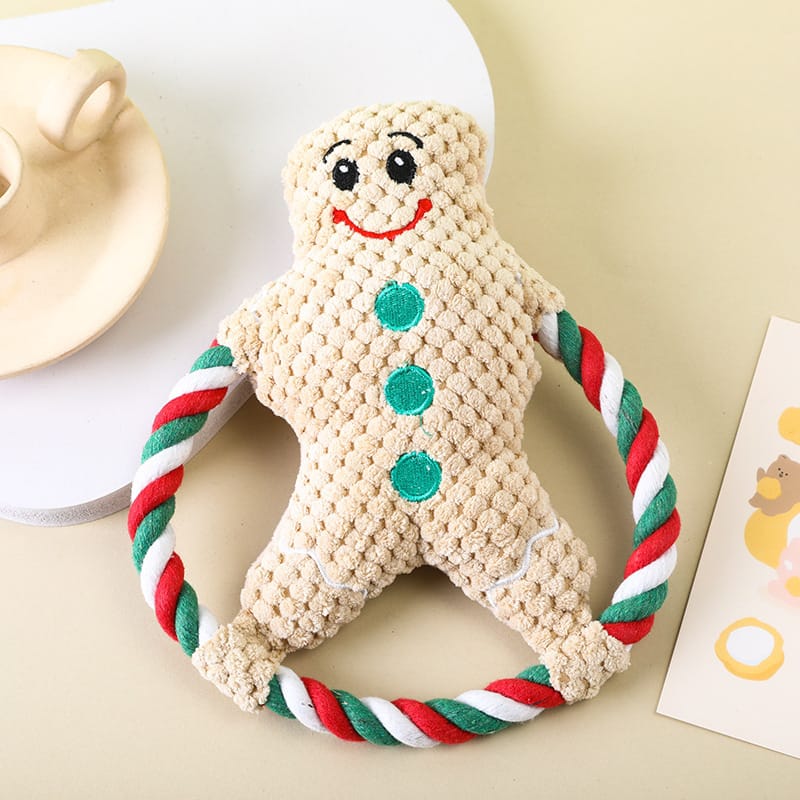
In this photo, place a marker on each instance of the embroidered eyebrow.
(417, 141)
(333, 146)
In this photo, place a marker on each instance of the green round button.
(409, 390)
(416, 476)
(399, 306)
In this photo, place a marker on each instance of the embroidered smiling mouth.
(423, 207)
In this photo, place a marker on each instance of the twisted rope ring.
(476, 712)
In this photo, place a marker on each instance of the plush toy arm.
(539, 296)
(250, 331)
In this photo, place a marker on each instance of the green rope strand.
(150, 528)
(187, 619)
(364, 722)
(218, 356)
(466, 717)
(173, 433)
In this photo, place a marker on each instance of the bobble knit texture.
(319, 355)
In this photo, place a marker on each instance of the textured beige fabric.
(319, 357)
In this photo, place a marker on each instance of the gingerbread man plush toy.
(400, 348)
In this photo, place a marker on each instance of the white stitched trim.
(285, 548)
(526, 562)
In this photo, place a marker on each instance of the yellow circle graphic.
(750, 649)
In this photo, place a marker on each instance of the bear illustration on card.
(777, 517)
(772, 533)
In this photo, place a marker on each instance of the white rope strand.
(160, 464)
(498, 706)
(397, 723)
(154, 562)
(548, 335)
(207, 624)
(202, 379)
(648, 577)
(651, 481)
(298, 700)
(611, 393)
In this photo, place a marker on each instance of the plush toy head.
(383, 169)
(400, 348)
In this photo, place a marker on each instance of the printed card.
(736, 665)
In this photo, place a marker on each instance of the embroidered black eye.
(345, 174)
(401, 167)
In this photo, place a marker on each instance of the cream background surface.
(648, 163)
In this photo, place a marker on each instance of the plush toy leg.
(508, 549)
(296, 597)
(546, 600)
(240, 661)
(286, 605)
